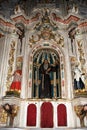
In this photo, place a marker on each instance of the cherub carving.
(33, 41)
(81, 112)
(12, 111)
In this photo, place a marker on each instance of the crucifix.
(20, 32)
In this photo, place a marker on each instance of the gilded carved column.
(81, 112)
(9, 61)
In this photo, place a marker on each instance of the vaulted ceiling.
(7, 6)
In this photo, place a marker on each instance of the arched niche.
(31, 115)
(37, 55)
(61, 115)
(51, 56)
(46, 115)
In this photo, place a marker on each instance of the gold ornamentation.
(46, 33)
(81, 112)
(12, 111)
(46, 29)
(32, 40)
(10, 63)
(3, 116)
(19, 62)
(81, 55)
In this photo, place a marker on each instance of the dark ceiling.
(7, 6)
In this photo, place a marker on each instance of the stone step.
(5, 128)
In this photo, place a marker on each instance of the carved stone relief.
(46, 30)
(3, 116)
(81, 112)
(10, 63)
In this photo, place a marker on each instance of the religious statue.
(55, 66)
(16, 83)
(81, 55)
(78, 83)
(81, 112)
(45, 85)
(12, 111)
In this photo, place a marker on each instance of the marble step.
(5, 128)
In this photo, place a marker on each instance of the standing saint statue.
(16, 83)
(45, 85)
(78, 83)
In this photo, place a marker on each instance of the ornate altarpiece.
(45, 36)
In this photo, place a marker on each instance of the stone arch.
(31, 115)
(61, 115)
(46, 115)
(59, 52)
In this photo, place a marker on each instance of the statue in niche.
(78, 82)
(12, 111)
(15, 79)
(81, 55)
(81, 112)
(16, 83)
(45, 85)
(53, 59)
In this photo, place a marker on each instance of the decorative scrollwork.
(3, 116)
(10, 63)
(46, 31)
(81, 112)
(12, 111)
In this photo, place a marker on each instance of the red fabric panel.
(31, 115)
(16, 85)
(61, 115)
(46, 115)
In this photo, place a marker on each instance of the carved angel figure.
(12, 111)
(81, 112)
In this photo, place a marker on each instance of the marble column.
(69, 87)
(24, 83)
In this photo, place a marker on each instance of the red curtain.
(31, 115)
(46, 115)
(61, 115)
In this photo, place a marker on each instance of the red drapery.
(61, 115)
(46, 115)
(16, 86)
(31, 115)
